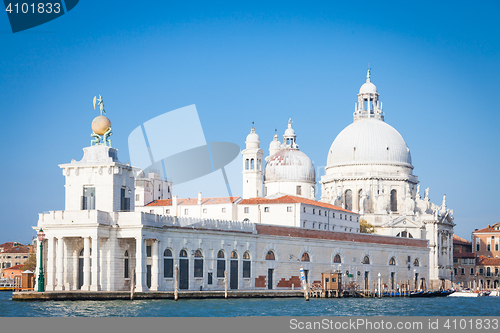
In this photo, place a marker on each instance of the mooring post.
(304, 283)
(132, 285)
(176, 290)
(225, 284)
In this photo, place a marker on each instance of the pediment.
(402, 222)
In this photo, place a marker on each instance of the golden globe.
(100, 125)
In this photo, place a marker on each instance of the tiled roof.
(194, 201)
(15, 267)
(490, 228)
(482, 260)
(10, 248)
(464, 255)
(460, 240)
(291, 199)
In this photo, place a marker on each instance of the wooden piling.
(225, 284)
(176, 290)
(132, 285)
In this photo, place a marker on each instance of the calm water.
(443, 306)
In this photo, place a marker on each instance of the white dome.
(368, 88)
(289, 165)
(369, 141)
(252, 140)
(289, 132)
(275, 144)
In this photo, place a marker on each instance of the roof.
(338, 236)
(490, 228)
(464, 255)
(482, 260)
(16, 267)
(460, 240)
(291, 199)
(194, 201)
(10, 248)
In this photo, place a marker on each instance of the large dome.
(369, 141)
(289, 165)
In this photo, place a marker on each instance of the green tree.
(365, 227)
(30, 264)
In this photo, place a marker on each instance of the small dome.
(253, 137)
(289, 165)
(290, 132)
(368, 88)
(369, 141)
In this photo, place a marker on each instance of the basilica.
(123, 229)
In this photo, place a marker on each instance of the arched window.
(183, 254)
(348, 199)
(366, 260)
(337, 259)
(258, 164)
(270, 255)
(126, 266)
(416, 263)
(246, 264)
(305, 257)
(234, 255)
(246, 164)
(168, 264)
(198, 264)
(221, 264)
(252, 164)
(392, 262)
(394, 201)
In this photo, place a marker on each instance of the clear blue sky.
(436, 66)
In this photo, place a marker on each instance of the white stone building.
(99, 241)
(150, 188)
(369, 171)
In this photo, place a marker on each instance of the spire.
(368, 75)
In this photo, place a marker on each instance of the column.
(60, 264)
(86, 263)
(50, 264)
(155, 265)
(96, 269)
(140, 271)
(37, 269)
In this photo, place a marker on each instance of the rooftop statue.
(101, 125)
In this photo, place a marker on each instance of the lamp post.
(41, 282)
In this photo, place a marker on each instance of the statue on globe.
(101, 126)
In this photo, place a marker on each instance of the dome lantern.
(368, 105)
(289, 138)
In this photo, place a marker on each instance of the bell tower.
(252, 166)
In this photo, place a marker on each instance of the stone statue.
(417, 196)
(443, 206)
(426, 197)
(381, 204)
(409, 205)
(106, 139)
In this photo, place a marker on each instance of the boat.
(469, 293)
(6, 286)
(441, 293)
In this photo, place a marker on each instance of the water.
(399, 306)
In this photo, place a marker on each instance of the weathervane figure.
(101, 104)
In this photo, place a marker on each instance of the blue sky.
(436, 66)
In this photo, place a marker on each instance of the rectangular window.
(480, 271)
(477, 247)
(246, 210)
(210, 277)
(198, 268)
(455, 260)
(223, 210)
(221, 267)
(496, 247)
(266, 209)
(168, 211)
(204, 210)
(88, 198)
(289, 209)
(246, 269)
(299, 190)
(314, 211)
(186, 211)
(148, 251)
(472, 271)
(488, 247)
(462, 271)
(125, 275)
(168, 267)
(137, 197)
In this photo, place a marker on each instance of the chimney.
(174, 205)
(199, 198)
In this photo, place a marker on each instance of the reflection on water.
(442, 306)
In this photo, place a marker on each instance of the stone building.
(101, 240)
(12, 254)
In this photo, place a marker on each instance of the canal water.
(398, 306)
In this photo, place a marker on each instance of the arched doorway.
(183, 270)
